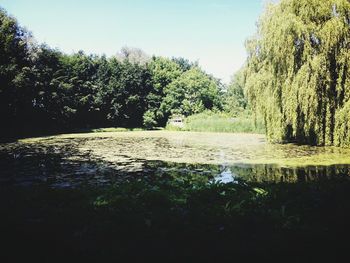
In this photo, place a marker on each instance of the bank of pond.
(172, 196)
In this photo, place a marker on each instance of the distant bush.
(171, 127)
(149, 120)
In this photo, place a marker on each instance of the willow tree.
(298, 71)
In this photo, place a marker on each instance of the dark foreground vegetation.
(184, 219)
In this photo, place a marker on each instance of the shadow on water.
(56, 166)
(59, 203)
(62, 165)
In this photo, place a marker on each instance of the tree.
(14, 72)
(298, 72)
(235, 99)
(48, 87)
(128, 87)
(80, 77)
(163, 71)
(184, 63)
(133, 55)
(191, 93)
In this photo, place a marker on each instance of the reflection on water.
(103, 159)
(225, 177)
(276, 173)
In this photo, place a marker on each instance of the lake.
(99, 159)
(99, 197)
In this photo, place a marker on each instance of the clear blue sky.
(210, 31)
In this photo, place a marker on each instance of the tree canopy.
(191, 93)
(297, 73)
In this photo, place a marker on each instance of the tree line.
(45, 90)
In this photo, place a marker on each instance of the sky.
(211, 32)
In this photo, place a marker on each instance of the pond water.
(99, 159)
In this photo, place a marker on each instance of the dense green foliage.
(297, 74)
(44, 90)
(191, 93)
(177, 217)
(236, 101)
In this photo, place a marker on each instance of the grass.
(220, 122)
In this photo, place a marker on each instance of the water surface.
(105, 158)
